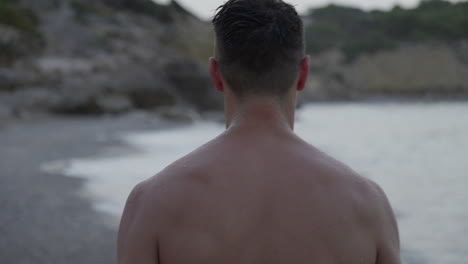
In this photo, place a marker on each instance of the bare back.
(269, 199)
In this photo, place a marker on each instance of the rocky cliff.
(109, 56)
(418, 70)
(405, 52)
(112, 56)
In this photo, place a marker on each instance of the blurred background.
(97, 95)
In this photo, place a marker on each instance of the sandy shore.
(42, 219)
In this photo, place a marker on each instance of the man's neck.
(259, 114)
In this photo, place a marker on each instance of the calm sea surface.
(418, 153)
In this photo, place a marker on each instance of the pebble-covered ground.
(42, 217)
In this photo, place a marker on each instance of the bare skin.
(258, 194)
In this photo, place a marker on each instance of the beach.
(64, 181)
(43, 217)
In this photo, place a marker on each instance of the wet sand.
(43, 219)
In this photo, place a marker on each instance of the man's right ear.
(216, 75)
(304, 73)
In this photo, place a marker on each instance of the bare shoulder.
(377, 207)
(370, 197)
(170, 189)
(136, 237)
(377, 215)
(374, 211)
(367, 196)
(383, 224)
(371, 194)
(152, 206)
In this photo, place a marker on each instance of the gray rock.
(63, 65)
(84, 104)
(11, 45)
(116, 91)
(13, 79)
(9, 79)
(194, 85)
(146, 88)
(34, 99)
(5, 112)
(114, 104)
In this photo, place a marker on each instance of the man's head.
(259, 48)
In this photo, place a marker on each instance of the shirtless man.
(257, 193)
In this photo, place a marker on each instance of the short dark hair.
(259, 46)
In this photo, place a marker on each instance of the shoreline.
(181, 113)
(44, 218)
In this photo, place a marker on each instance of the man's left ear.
(304, 73)
(216, 75)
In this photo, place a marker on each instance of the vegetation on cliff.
(355, 31)
(18, 25)
(160, 12)
(22, 19)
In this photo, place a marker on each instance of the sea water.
(417, 152)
